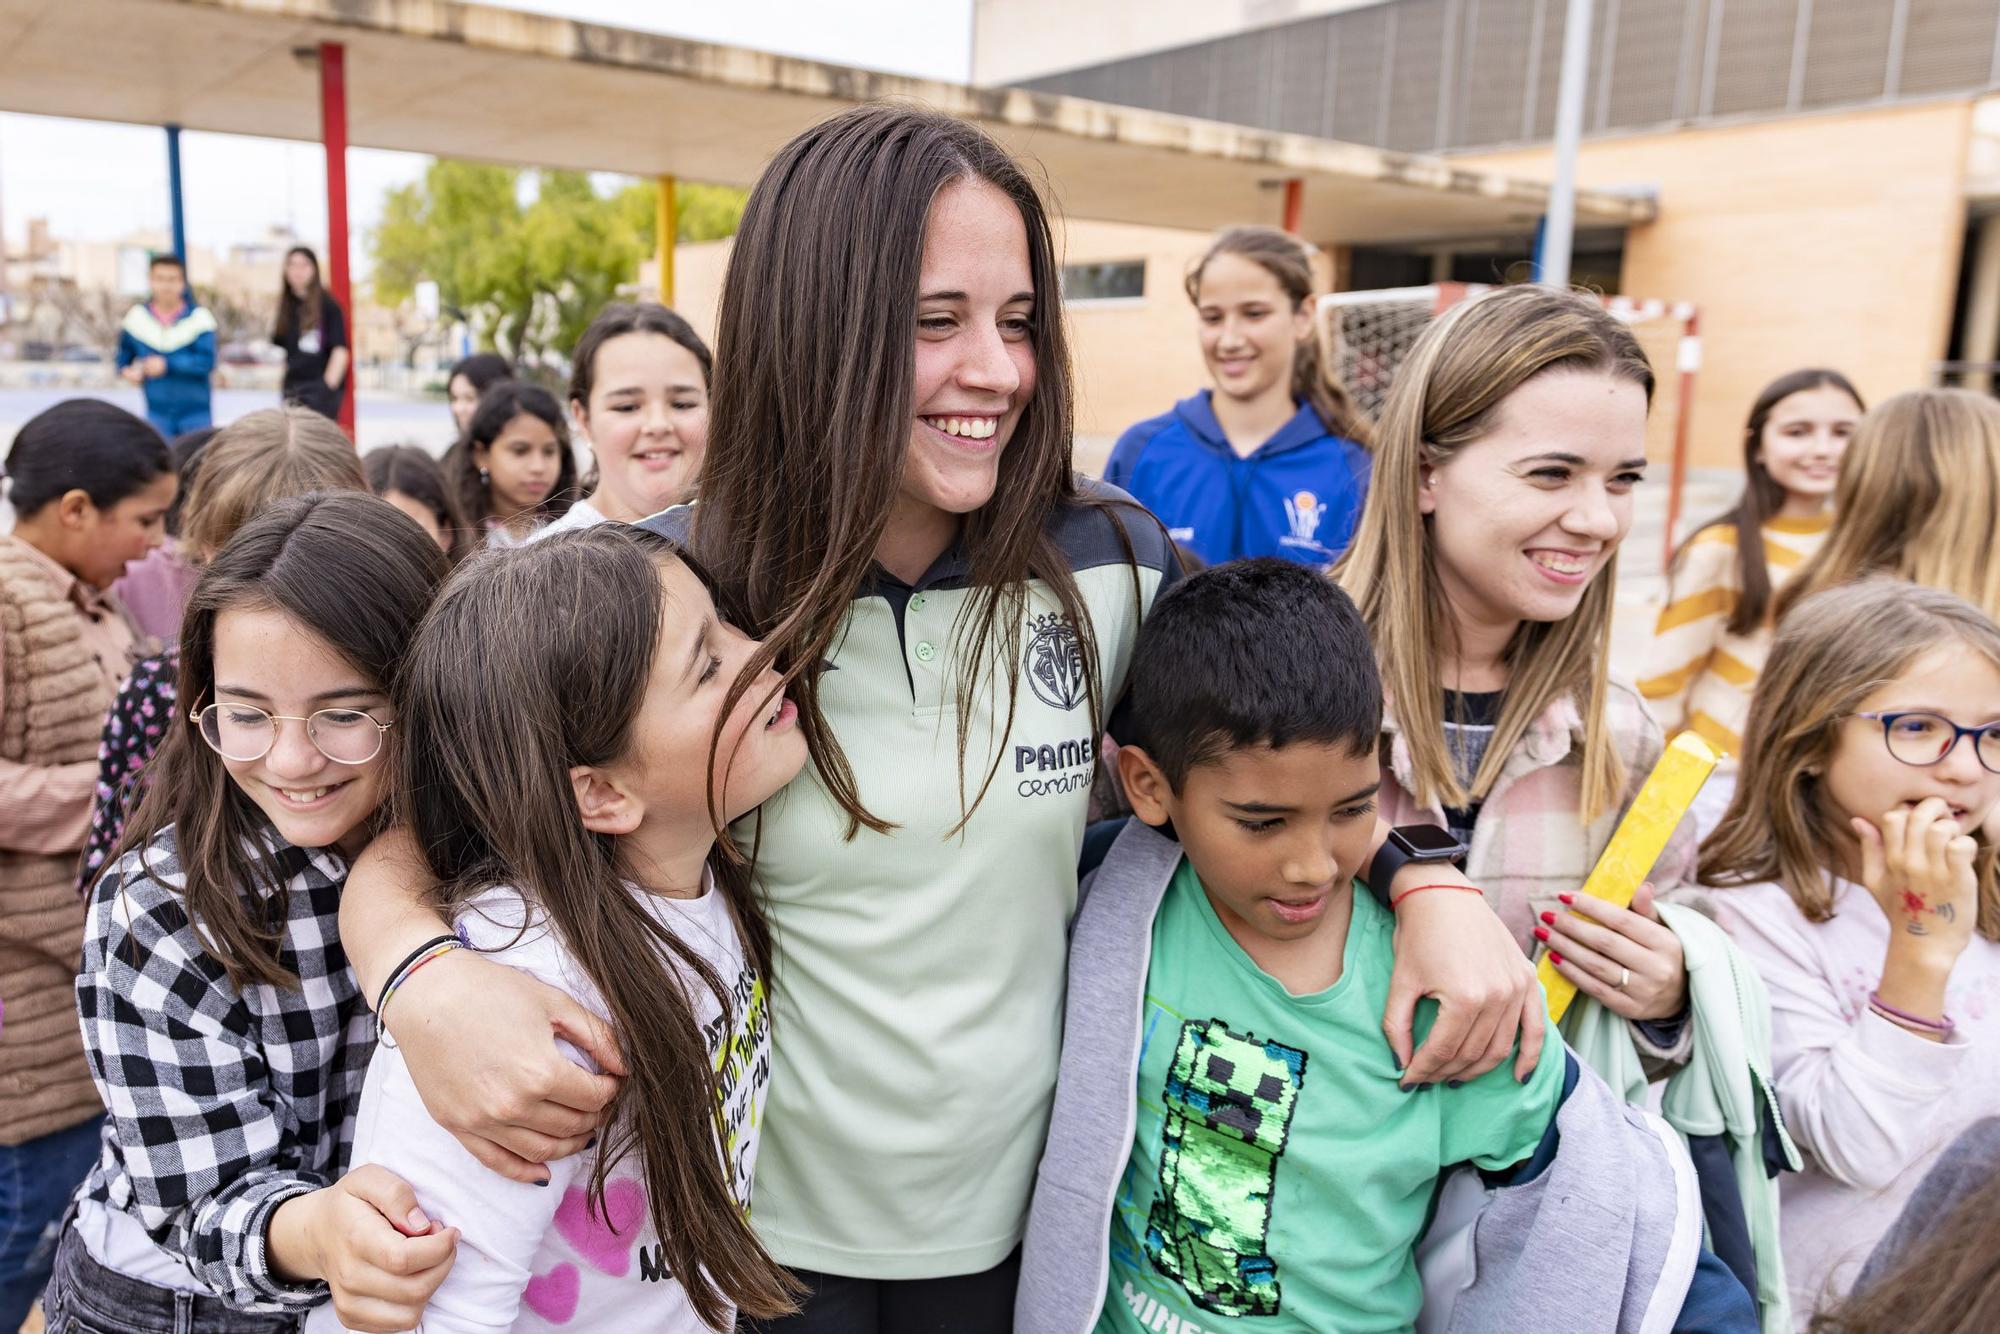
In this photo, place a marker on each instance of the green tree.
(526, 259)
(706, 212)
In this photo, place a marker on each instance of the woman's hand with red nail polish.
(1599, 945)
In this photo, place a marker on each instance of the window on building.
(1107, 280)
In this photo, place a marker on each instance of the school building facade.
(1827, 171)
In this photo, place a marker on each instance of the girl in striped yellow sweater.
(1711, 638)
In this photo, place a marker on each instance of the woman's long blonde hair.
(1918, 494)
(1446, 396)
(1835, 650)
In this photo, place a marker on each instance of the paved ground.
(382, 419)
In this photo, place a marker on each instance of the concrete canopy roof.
(472, 81)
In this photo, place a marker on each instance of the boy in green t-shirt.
(1231, 1147)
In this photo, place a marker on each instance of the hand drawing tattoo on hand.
(1914, 905)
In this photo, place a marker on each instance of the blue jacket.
(188, 344)
(1298, 495)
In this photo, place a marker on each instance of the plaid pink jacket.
(1529, 845)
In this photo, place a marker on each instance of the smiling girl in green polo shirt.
(888, 502)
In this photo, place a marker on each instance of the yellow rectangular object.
(1638, 841)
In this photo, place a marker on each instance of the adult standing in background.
(166, 346)
(312, 330)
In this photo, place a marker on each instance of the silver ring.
(1624, 976)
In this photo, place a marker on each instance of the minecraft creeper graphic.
(1229, 1099)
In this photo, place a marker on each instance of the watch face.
(1425, 841)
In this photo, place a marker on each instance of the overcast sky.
(100, 181)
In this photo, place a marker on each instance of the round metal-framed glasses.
(244, 732)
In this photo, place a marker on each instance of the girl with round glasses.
(224, 1026)
(1853, 869)
(246, 733)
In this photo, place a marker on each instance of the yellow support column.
(665, 225)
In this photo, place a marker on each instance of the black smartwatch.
(1408, 843)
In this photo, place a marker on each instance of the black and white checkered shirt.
(224, 1101)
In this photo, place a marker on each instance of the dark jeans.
(962, 1304)
(86, 1298)
(36, 1181)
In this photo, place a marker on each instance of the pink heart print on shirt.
(602, 1248)
(553, 1295)
(605, 1243)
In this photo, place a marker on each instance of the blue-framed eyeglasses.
(1924, 739)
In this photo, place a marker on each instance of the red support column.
(1295, 204)
(333, 134)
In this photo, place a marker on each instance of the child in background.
(1273, 461)
(559, 773)
(167, 347)
(90, 485)
(470, 378)
(411, 480)
(225, 1029)
(253, 461)
(1918, 498)
(1273, 1175)
(1858, 883)
(1712, 636)
(155, 587)
(514, 471)
(639, 398)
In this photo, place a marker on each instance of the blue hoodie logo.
(1304, 512)
(1054, 662)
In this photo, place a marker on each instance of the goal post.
(1368, 334)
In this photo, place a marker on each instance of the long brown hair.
(1832, 651)
(347, 567)
(1762, 496)
(1287, 259)
(273, 452)
(1918, 495)
(813, 406)
(499, 700)
(1445, 397)
(296, 313)
(1945, 1283)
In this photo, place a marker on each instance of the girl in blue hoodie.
(1273, 461)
